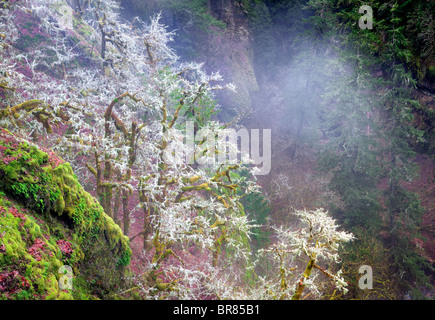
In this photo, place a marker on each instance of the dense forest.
(217, 149)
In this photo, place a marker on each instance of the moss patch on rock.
(47, 221)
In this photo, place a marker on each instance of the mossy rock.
(47, 220)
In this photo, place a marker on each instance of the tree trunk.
(126, 213)
(301, 286)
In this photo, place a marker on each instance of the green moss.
(38, 266)
(124, 260)
(42, 203)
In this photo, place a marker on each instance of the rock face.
(56, 242)
(230, 52)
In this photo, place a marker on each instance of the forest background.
(351, 112)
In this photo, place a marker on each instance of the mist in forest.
(111, 115)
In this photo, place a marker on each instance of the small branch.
(27, 105)
(91, 169)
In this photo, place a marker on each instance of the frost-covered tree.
(116, 119)
(299, 255)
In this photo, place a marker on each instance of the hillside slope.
(52, 230)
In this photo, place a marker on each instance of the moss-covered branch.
(26, 106)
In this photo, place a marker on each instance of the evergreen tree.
(368, 123)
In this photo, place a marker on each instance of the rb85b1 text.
(238, 309)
